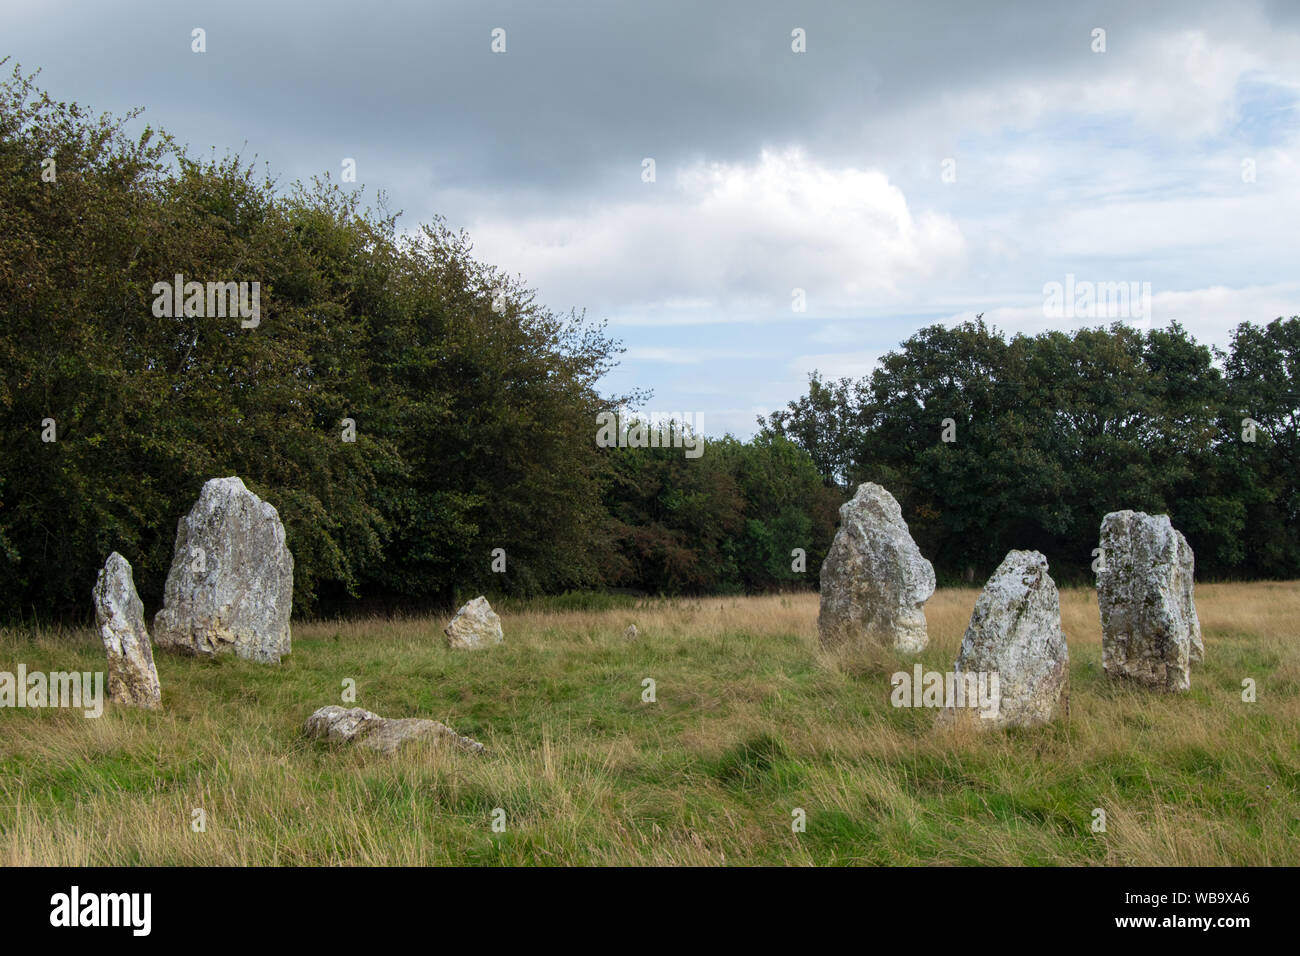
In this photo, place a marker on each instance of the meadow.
(751, 722)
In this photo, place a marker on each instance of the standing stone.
(874, 580)
(1015, 633)
(231, 581)
(1150, 632)
(475, 625)
(132, 678)
(385, 734)
(631, 633)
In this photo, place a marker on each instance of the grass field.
(751, 722)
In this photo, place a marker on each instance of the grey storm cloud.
(413, 92)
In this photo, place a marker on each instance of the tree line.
(427, 429)
(992, 443)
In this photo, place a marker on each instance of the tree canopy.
(1047, 433)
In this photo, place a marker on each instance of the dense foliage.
(474, 408)
(1050, 432)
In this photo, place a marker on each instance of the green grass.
(751, 722)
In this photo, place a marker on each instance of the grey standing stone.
(230, 587)
(132, 677)
(874, 581)
(1151, 634)
(384, 734)
(475, 626)
(1015, 633)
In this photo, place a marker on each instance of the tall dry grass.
(751, 723)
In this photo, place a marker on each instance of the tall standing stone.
(231, 581)
(1015, 633)
(1150, 632)
(132, 677)
(874, 581)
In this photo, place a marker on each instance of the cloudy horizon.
(915, 164)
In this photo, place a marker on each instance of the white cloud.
(835, 365)
(687, 355)
(736, 239)
(1181, 86)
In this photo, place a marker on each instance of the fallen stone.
(475, 626)
(230, 587)
(1015, 633)
(132, 677)
(1151, 634)
(874, 581)
(361, 727)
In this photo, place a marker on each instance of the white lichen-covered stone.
(132, 677)
(1015, 633)
(475, 625)
(630, 634)
(384, 734)
(1150, 631)
(230, 586)
(874, 581)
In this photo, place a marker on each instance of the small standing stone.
(1151, 634)
(1015, 633)
(874, 581)
(132, 677)
(631, 633)
(475, 626)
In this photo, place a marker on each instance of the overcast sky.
(774, 170)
